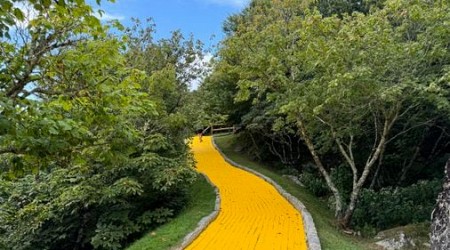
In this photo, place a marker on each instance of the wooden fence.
(213, 130)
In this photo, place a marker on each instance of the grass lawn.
(202, 201)
(330, 236)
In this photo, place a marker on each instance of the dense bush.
(395, 207)
(67, 208)
(314, 184)
(92, 141)
(342, 176)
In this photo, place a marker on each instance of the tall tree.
(345, 82)
(89, 155)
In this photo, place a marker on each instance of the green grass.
(330, 237)
(202, 201)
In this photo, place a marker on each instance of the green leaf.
(46, 3)
(64, 125)
(18, 14)
(53, 131)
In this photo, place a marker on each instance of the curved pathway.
(253, 215)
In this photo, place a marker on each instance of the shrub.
(391, 207)
(314, 183)
(343, 178)
(65, 210)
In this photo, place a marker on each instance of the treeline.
(353, 96)
(92, 131)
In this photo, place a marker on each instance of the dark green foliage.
(343, 178)
(66, 209)
(391, 207)
(93, 148)
(201, 203)
(312, 180)
(340, 7)
(358, 87)
(314, 184)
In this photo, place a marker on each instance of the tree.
(173, 63)
(33, 62)
(341, 7)
(90, 154)
(346, 82)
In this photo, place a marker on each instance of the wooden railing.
(220, 129)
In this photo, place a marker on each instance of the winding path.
(253, 215)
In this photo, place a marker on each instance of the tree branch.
(407, 130)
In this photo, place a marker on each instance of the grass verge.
(201, 203)
(330, 236)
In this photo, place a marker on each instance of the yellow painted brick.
(253, 215)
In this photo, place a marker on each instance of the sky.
(202, 18)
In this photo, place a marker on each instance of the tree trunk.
(377, 172)
(337, 195)
(346, 218)
(406, 168)
(440, 217)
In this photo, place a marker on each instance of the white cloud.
(234, 3)
(108, 17)
(205, 64)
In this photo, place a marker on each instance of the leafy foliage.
(314, 184)
(396, 206)
(361, 84)
(92, 148)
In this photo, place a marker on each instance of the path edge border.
(312, 237)
(204, 222)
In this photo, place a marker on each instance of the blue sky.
(202, 18)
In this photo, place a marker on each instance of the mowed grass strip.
(330, 237)
(201, 203)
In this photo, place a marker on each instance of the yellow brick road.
(253, 215)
